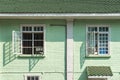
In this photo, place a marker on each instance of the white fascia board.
(59, 15)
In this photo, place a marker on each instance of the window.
(32, 78)
(97, 40)
(30, 40)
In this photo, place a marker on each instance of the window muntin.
(97, 40)
(32, 39)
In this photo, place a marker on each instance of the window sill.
(30, 56)
(99, 56)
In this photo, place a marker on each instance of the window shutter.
(90, 43)
(16, 41)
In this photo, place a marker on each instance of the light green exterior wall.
(52, 67)
(80, 61)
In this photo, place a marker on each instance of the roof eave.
(59, 15)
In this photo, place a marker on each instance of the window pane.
(96, 42)
(26, 28)
(38, 36)
(28, 78)
(38, 28)
(103, 43)
(27, 43)
(92, 29)
(36, 78)
(27, 50)
(103, 29)
(38, 43)
(91, 39)
(32, 78)
(27, 36)
(38, 50)
(91, 43)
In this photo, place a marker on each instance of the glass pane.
(26, 28)
(103, 29)
(96, 42)
(38, 50)
(38, 28)
(38, 43)
(27, 36)
(27, 43)
(91, 39)
(36, 78)
(91, 42)
(28, 78)
(32, 78)
(103, 43)
(38, 36)
(23, 28)
(92, 29)
(27, 50)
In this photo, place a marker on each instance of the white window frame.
(100, 77)
(87, 26)
(32, 75)
(16, 42)
(33, 31)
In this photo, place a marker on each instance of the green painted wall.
(52, 67)
(80, 61)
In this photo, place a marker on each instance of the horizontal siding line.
(82, 72)
(40, 72)
(28, 72)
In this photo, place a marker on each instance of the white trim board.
(69, 49)
(99, 76)
(59, 15)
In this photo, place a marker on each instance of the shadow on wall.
(8, 55)
(82, 55)
(32, 62)
(83, 75)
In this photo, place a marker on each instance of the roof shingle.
(99, 71)
(59, 6)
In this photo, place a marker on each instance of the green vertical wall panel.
(51, 67)
(81, 61)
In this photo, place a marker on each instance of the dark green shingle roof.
(99, 71)
(60, 6)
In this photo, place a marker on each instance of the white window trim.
(13, 41)
(108, 77)
(98, 25)
(26, 75)
(44, 32)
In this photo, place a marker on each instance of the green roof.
(59, 6)
(99, 71)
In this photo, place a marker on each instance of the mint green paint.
(51, 67)
(80, 61)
